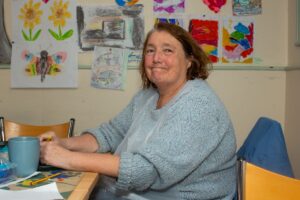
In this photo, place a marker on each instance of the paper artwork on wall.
(110, 26)
(237, 41)
(109, 67)
(206, 33)
(44, 44)
(246, 7)
(215, 5)
(126, 3)
(134, 58)
(168, 6)
(171, 20)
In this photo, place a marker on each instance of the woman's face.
(165, 61)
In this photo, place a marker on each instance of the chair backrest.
(256, 183)
(12, 129)
(265, 147)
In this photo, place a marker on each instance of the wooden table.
(72, 185)
(84, 188)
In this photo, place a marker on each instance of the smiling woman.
(5, 46)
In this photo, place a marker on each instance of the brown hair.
(200, 63)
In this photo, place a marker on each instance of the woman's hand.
(52, 153)
(51, 136)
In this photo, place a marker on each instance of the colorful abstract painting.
(206, 33)
(237, 43)
(126, 3)
(168, 6)
(246, 7)
(44, 44)
(176, 21)
(215, 5)
(109, 67)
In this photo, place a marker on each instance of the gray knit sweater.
(192, 153)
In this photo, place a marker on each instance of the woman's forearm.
(82, 143)
(106, 164)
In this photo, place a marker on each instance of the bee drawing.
(44, 64)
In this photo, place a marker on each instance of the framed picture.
(297, 43)
(5, 45)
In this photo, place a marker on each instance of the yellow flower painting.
(31, 13)
(59, 16)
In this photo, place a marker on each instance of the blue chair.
(265, 147)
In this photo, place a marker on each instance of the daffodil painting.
(44, 50)
(30, 14)
(59, 16)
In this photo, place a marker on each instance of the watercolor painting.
(237, 43)
(246, 7)
(134, 58)
(170, 20)
(215, 5)
(109, 67)
(110, 26)
(206, 33)
(168, 6)
(44, 47)
(126, 3)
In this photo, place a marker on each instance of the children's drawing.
(44, 50)
(168, 6)
(126, 2)
(31, 13)
(60, 13)
(246, 7)
(215, 5)
(108, 68)
(44, 64)
(110, 26)
(206, 33)
(237, 41)
(134, 58)
(176, 21)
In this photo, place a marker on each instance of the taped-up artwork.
(206, 33)
(110, 26)
(5, 46)
(108, 69)
(44, 50)
(238, 39)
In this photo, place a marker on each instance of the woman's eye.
(149, 51)
(168, 50)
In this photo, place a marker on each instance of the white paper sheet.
(45, 192)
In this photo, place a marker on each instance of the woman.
(174, 140)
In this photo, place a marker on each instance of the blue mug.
(24, 152)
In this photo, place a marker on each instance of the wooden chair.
(12, 129)
(256, 183)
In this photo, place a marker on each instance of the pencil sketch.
(5, 46)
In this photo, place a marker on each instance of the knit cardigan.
(192, 153)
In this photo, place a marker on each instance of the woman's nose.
(157, 57)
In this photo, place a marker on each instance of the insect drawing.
(44, 64)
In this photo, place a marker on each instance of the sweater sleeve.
(192, 131)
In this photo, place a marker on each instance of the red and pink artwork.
(206, 33)
(215, 5)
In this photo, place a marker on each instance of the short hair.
(200, 63)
